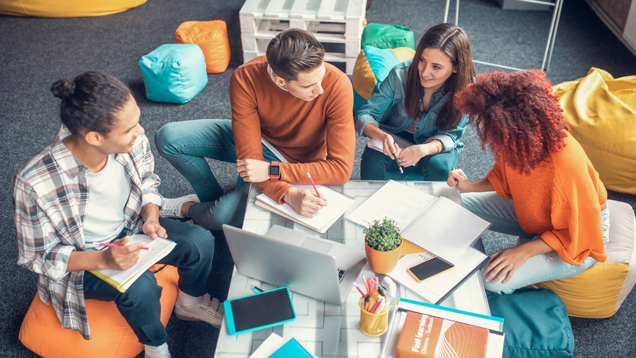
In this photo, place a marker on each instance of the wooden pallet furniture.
(335, 23)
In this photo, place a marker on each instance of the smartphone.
(258, 311)
(429, 268)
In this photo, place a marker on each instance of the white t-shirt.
(108, 192)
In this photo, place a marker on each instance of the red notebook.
(433, 337)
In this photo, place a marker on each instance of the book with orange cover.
(425, 336)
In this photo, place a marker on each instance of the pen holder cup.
(374, 324)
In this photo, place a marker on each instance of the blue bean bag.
(174, 73)
(536, 324)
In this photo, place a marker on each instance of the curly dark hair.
(517, 115)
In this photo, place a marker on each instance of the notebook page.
(394, 201)
(338, 203)
(158, 248)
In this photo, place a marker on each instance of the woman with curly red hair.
(542, 186)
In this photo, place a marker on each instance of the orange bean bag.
(66, 8)
(111, 336)
(211, 36)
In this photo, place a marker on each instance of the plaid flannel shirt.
(50, 195)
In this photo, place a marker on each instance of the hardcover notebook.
(122, 279)
(338, 203)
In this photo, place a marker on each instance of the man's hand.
(505, 263)
(153, 229)
(305, 202)
(253, 170)
(122, 257)
(458, 179)
(411, 155)
(389, 147)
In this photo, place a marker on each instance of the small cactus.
(383, 235)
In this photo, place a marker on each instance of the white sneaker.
(172, 207)
(207, 310)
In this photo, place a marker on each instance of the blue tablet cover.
(291, 349)
(258, 311)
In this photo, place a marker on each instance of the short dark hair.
(293, 51)
(90, 101)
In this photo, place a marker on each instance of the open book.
(439, 226)
(122, 279)
(424, 330)
(338, 203)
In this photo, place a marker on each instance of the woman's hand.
(153, 229)
(411, 155)
(458, 179)
(389, 147)
(505, 263)
(121, 257)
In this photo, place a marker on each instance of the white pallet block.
(331, 21)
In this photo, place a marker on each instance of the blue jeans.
(500, 212)
(375, 164)
(140, 305)
(186, 145)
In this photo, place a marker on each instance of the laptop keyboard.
(341, 274)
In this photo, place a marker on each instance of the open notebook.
(122, 279)
(338, 203)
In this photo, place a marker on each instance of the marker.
(118, 245)
(256, 289)
(366, 285)
(397, 161)
(377, 303)
(314, 185)
(362, 293)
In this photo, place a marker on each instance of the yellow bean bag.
(599, 291)
(66, 8)
(111, 336)
(601, 112)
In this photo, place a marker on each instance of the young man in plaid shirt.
(95, 184)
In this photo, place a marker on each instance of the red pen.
(314, 185)
(377, 303)
(362, 293)
(116, 245)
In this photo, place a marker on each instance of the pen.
(362, 293)
(377, 303)
(117, 245)
(314, 185)
(397, 161)
(256, 289)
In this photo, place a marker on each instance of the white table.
(327, 330)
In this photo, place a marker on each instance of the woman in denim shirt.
(416, 102)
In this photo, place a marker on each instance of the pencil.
(314, 185)
(116, 245)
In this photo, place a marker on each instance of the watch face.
(274, 170)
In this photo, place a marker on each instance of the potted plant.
(382, 245)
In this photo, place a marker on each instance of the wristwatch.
(274, 171)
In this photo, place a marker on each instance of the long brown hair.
(453, 41)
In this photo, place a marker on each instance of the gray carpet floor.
(35, 52)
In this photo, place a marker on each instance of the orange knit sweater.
(316, 137)
(560, 200)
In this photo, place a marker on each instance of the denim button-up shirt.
(385, 109)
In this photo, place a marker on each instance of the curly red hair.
(517, 115)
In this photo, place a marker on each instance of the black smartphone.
(429, 268)
(262, 310)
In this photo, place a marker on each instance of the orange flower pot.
(382, 262)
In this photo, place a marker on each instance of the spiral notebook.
(338, 203)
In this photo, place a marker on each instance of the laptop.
(314, 267)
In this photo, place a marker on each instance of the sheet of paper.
(435, 288)
(269, 346)
(377, 144)
(394, 201)
(446, 229)
(338, 203)
(158, 248)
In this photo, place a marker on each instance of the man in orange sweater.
(292, 114)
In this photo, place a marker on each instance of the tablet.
(258, 311)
